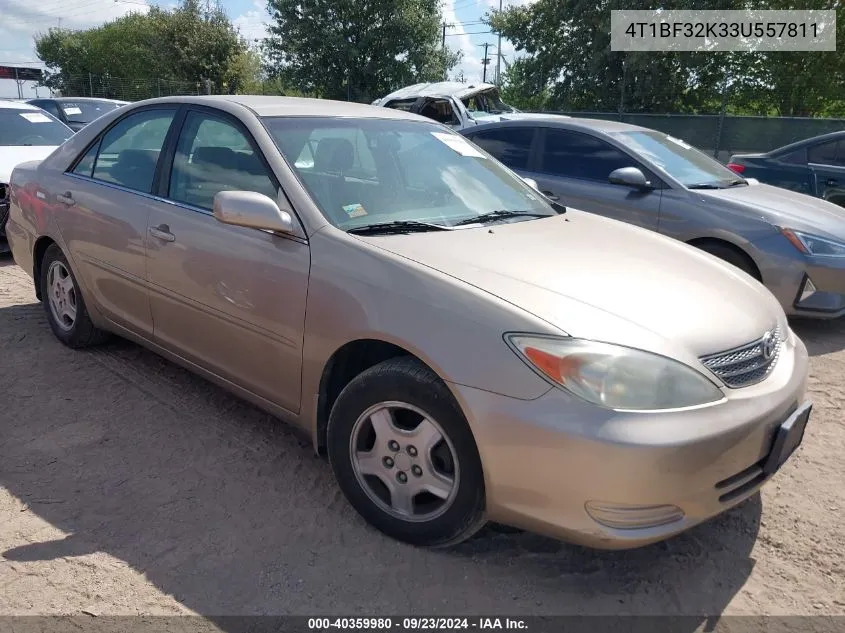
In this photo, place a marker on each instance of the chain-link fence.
(105, 87)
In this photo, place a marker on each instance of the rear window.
(31, 127)
(86, 111)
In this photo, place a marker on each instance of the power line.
(470, 33)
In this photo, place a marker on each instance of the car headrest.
(334, 154)
(219, 156)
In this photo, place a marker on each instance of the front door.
(230, 299)
(574, 168)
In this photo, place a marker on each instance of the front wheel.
(404, 456)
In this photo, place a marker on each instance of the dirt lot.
(128, 485)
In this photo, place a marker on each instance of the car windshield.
(31, 127)
(86, 111)
(367, 171)
(485, 104)
(680, 160)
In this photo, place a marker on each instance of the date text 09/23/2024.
(417, 624)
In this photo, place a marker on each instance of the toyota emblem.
(768, 345)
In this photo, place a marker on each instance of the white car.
(26, 133)
(457, 105)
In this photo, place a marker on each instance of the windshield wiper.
(500, 215)
(705, 185)
(736, 182)
(402, 226)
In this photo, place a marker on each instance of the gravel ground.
(129, 486)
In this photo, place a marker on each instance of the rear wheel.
(404, 456)
(732, 256)
(63, 303)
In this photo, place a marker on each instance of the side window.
(824, 154)
(129, 151)
(401, 104)
(511, 146)
(85, 167)
(798, 157)
(576, 155)
(213, 155)
(440, 110)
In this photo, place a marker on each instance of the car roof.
(16, 105)
(438, 89)
(266, 106)
(82, 100)
(572, 123)
(821, 138)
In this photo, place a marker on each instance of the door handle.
(550, 195)
(832, 182)
(66, 198)
(162, 232)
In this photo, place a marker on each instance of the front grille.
(747, 364)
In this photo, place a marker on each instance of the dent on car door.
(827, 166)
(228, 298)
(102, 205)
(575, 167)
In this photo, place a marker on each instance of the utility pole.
(484, 62)
(499, 54)
(445, 25)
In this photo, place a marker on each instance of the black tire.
(732, 256)
(82, 333)
(407, 380)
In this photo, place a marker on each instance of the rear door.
(574, 168)
(103, 203)
(827, 166)
(514, 146)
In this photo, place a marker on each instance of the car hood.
(597, 278)
(12, 156)
(782, 207)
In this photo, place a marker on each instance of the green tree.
(568, 52)
(566, 47)
(191, 43)
(356, 49)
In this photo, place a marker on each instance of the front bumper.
(553, 464)
(812, 287)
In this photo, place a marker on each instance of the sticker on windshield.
(355, 210)
(678, 141)
(457, 143)
(35, 117)
(72, 110)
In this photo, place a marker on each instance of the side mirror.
(252, 210)
(629, 177)
(531, 183)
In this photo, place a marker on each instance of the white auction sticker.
(72, 110)
(457, 143)
(35, 117)
(678, 141)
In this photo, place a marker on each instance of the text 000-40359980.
(717, 31)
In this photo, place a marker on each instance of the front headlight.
(813, 244)
(616, 377)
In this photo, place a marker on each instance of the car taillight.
(736, 167)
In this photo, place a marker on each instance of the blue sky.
(23, 19)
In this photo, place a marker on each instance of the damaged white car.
(455, 104)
